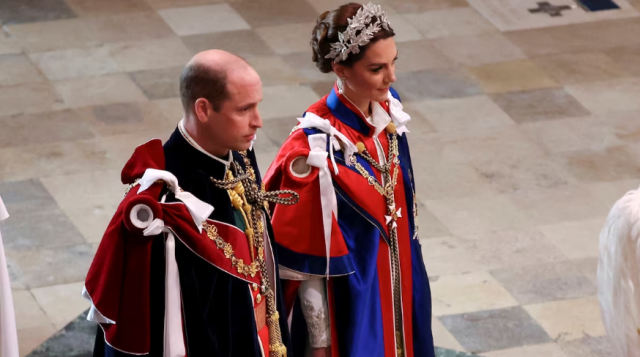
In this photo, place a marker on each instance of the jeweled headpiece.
(349, 41)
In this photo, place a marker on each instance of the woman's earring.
(341, 83)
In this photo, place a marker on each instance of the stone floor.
(525, 131)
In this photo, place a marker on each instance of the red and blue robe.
(360, 291)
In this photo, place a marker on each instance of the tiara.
(349, 42)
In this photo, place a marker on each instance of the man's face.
(235, 125)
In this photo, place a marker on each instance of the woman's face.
(370, 78)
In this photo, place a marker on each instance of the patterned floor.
(524, 133)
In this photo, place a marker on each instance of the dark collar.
(181, 155)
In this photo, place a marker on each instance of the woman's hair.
(325, 33)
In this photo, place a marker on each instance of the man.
(204, 289)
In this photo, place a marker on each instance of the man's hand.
(321, 352)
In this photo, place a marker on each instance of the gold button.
(360, 146)
(258, 298)
(391, 128)
(254, 287)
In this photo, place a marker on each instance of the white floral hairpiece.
(349, 42)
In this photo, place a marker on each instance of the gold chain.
(248, 198)
(388, 192)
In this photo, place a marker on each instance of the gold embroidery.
(251, 269)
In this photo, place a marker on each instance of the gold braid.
(247, 197)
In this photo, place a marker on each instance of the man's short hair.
(199, 81)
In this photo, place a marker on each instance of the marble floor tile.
(288, 38)
(541, 104)
(265, 158)
(573, 68)
(119, 148)
(560, 204)
(403, 29)
(18, 69)
(418, 126)
(167, 4)
(511, 248)
(23, 11)
(75, 340)
(196, 20)
(290, 100)
(611, 164)
(21, 196)
(608, 96)
(92, 220)
(450, 22)
(45, 267)
(577, 38)
(274, 70)
(442, 179)
(588, 267)
(450, 294)
(459, 114)
(610, 192)
(89, 31)
(627, 57)
(263, 143)
(577, 239)
(124, 118)
(28, 312)
(75, 63)
(572, 134)
(32, 231)
(79, 190)
(513, 15)
(277, 130)
(321, 88)
(536, 284)
(435, 84)
(478, 49)
(171, 109)
(307, 69)
(569, 319)
(134, 26)
(61, 303)
(511, 76)
(29, 98)
(329, 5)
(32, 337)
(244, 43)
(103, 8)
(588, 347)
(53, 159)
(478, 214)
(418, 56)
(449, 256)
(546, 350)
(493, 330)
(107, 89)
(623, 124)
(262, 13)
(8, 45)
(43, 128)
(442, 337)
(160, 83)
(415, 6)
(154, 54)
(429, 225)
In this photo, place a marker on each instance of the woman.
(349, 248)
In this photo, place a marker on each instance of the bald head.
(207, 76)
